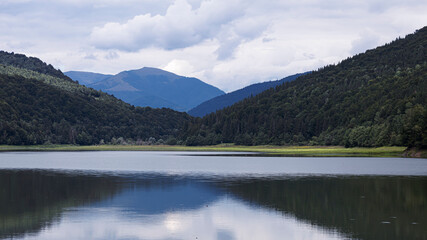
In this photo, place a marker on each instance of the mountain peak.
(156, 88)
(149, 71)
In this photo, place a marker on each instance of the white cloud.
(180, 27)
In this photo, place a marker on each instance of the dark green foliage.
(373, 99)
(39, 108)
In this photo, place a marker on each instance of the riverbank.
(268, 150)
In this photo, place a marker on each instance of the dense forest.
(39, 105)
(376, 98)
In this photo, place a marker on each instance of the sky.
(227, 43)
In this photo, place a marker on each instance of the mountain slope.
(36, 108)
(30, 63)
(155, 88)
(231, 98)
(86, 78)
(372, 99)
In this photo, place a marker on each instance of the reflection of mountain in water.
(33, 200)
(163, 194)
(361, 207)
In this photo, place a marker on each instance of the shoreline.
(316, 151)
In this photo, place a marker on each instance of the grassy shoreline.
(268, 150)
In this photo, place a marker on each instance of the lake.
(199, 195)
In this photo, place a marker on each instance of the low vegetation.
(267, 150)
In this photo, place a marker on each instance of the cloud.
(180, 67)
(180, 27)
(228, 44)
(146, 30)
(112, 55)
(90, 56)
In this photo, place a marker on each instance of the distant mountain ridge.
(86, 78)
(223, 101)
(152, 87)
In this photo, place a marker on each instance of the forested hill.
(38, 105)
(231, 98)
(30, 63)
(372, 99)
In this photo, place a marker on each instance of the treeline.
(63, 84)
(376, 98)
(32, 112)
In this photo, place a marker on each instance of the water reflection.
(364, 207)
(42, 204)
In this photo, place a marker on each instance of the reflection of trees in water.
(361, 207)
(33, 200)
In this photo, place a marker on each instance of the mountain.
(229, 99)
(153, 87)
(377, 98)
(86, 78)
(39, 104)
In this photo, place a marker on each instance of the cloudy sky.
(227, 43)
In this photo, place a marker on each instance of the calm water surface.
(172, 195)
